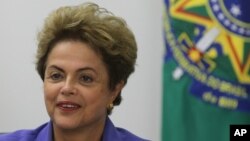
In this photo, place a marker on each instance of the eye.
(86, 79)
(56, 76)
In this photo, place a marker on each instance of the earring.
(110, 106)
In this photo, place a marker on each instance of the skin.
(76, 92)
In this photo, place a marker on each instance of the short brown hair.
(107, 34)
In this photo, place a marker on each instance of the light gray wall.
(21, 99)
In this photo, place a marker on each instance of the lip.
(68, 106)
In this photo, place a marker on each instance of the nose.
(68, 87)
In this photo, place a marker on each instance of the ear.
(117, 90)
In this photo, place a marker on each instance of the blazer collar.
(110, 132)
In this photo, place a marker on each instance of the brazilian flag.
(206, 69)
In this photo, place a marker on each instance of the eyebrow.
(79, 70)
(55, 67)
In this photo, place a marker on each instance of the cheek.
(102, 98)
(50, 94)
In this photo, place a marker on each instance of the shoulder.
(126, 135)
(112, 133)
(23, 135)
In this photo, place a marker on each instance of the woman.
(85, 56)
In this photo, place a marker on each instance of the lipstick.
(68, 106)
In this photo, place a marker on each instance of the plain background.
(22, 105)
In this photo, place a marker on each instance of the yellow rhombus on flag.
(206, 69)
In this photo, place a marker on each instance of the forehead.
(74, 54)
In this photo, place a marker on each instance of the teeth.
(68, 106)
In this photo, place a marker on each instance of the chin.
(65, 124)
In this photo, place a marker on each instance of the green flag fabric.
(206, 72)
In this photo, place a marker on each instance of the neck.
(85, 133)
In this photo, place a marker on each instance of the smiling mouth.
(68, 106)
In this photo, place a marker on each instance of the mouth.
(68, 106)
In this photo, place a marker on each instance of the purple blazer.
(44, 133)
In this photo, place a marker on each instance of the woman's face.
(76, 86)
